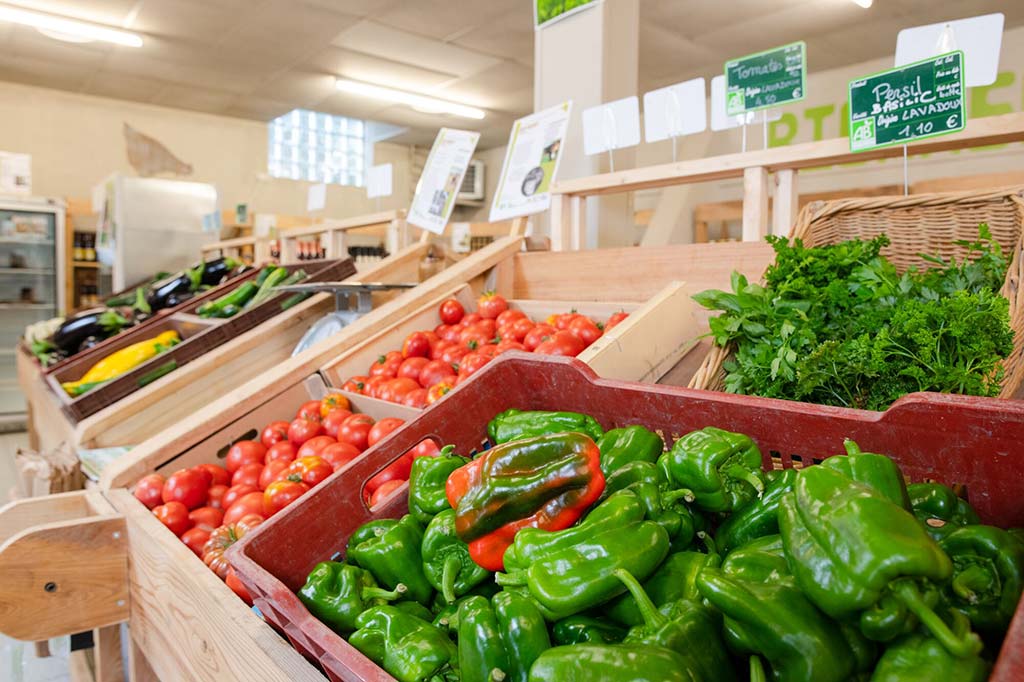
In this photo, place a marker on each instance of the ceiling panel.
(441, 19)
(364, 67)
(509, 36)
(121, 86)
(257, 108)
(302, 89)
(111, 12)
(197, 99)
(480, 90)
(27, 42)
(194, 20)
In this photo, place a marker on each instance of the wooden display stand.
(389, 226)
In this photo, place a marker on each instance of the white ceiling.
(261, 58)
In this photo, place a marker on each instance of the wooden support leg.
(755, 204)
(700, 232)
(138, 666)
(560, 222)
(107, 656)
(786, 203)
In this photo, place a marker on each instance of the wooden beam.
(786, 203)
(139, 669)
(107, 654)
(755, 204)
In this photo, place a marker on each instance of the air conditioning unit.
(473, 182)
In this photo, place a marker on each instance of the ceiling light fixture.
(422, 103)
(62, 28)
(863, 3)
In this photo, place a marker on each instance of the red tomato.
(248, 474)
(538, 335)
(301, 430)
(355, 384)
(275, 432)
(472, 363)
(411, 368)
(563, 320)
(283, 450)
(382, 428)
(374, 384)
(615, 319)
(433, 372)
(149, 490)
(425, 448)
(382, 368)
(280, 494)
(313, 446)
(454, 354)
(331, 402)
(490, 305)
(490, 351)
(395, 389)
(187, 486)
(311, 470)
(206, 517)
(438, 391)
(244, 452)
(310, 411)
(506, 346)
(207, 476)
(397, 470)
(235, 493)
(509, 316)
(195, 539)
(215, 496)
(472, 318)
(416, 345)
(451, 311)
(562, 343)
(448, 332)
(218, 474)
(385, 489)
(518, 330)
(174, 515)
(237, 587)
(585, 329)
(417, 398)
(359, 418)
(486, 327)
(355, 434)
(339, 454)
(332, 422)
(250, 503)
(273, 471)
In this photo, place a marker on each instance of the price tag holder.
(677, 110)
(610, 126)
(766, 79)
(913, 102)
(979, 38)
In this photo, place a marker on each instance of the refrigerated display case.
(31, 284)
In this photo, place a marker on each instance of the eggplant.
(89, 342)
(216, 270)
(98, 322)
(161, 291)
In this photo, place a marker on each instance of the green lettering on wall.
(844, 120)
(981, 107)
(817, 115)
(777, 138)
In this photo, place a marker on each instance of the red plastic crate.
(976, 442)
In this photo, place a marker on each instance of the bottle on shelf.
(90, 248)
(78, 251)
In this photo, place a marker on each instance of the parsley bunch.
(838, 325)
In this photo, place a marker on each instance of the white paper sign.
(613, 125)
(316, 199)
(677, 110)
(531, 163)
(722, 121)
(15, 173)
(378, 181)
(979, 37)
(441, 179)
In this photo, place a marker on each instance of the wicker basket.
(922, 223)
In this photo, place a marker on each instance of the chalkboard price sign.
(919, 100)
(766, 79)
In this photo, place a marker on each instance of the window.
(309, 145)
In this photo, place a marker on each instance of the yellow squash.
(116, 364)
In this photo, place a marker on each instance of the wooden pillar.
(786, 203)
(107, 654)
(138, 667)
(755, 204)
(289, 250)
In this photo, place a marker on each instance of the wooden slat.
(139, 669)
(108, 664)
(755, 204)
(19, 515)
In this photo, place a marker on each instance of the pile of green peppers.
(693, 564)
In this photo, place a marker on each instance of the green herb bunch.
(838, 325)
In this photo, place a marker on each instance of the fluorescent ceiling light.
(863, 3)
(68, 29)
(423, 103)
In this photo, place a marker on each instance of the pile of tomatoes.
(432, 363)
(209, 507)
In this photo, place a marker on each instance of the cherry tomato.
(283, 450)
(585, 329)
(310, 411)
(506, 346)
(244, 452)
(538, 335)
(215, 496)
(374, 384)
(438, 391)
(417, 398)
(187, 486)
(195, 539)
(507, 317)
(232, 581)
(472, 363)
(313, 446)
(332, 422)
(382, 428)
(451, 311)
(333, 401)
(339, 454)
(206, 517)
(416, 345)
(250, 503)
(149, 490)
(311, 470)
(355, 384)
(615, 319)
(518, 330)
(248, 474)
(562, 343)
(562, 320)
(301, 430)
(472, 318)
(411, 368)
(280, 494)
(490, 305)
(454, 354)
(174, 515)
(218, 474)
(272, 472)
(385, 489)
(434, 371)
(274, 432)
(235, 493)
(395, 389)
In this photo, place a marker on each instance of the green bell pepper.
(414, 608)
(408, 648)
(664, 506)
(629, 444)
(722, 470)
(939, 508)
(760, 517)
(760, 560)
(610, 663)
(426, 483)
(688, 628)
(854, 553)
(390, 550)
(499, 640)
(675, 579)
(920, 658)
(446, 560)
(586, 629)
(337, 593)
(572, 579)
(875, 471)
(988, 575)
(517, 424)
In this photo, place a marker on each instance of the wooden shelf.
(85, 264)
(26, 242)
(26, 271)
